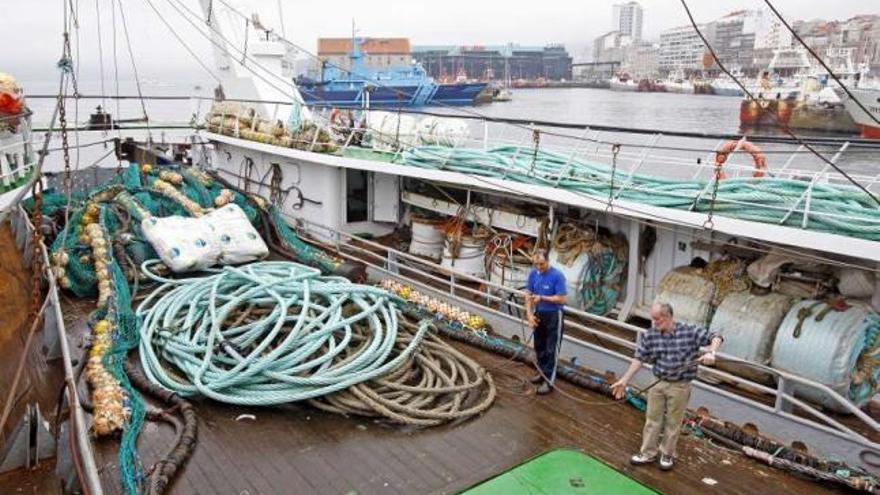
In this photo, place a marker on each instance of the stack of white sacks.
(224, 236)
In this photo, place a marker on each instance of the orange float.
(757, 157)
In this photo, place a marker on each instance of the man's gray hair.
(542, 253)
(665, 308)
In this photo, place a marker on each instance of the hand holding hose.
(618, 388)
(707, 359)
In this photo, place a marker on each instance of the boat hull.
(870, 99)
(393, 96)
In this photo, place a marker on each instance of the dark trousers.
(548, 338)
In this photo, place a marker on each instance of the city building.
(446, 63)
(377, 52)
(627, 19)
(734, 40)
(682, 50)
(641, 60)
(610, 47)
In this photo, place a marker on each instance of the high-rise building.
(627, 19)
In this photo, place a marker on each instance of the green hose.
(267, 333)
(837, 209)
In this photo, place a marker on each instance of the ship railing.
(17, 158)
(481, 295)
(593, 146)
(56, 344)
(655, 155)
(644, 156)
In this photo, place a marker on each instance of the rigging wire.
(821, 62)
(178, 5)
(184, 44)
(137, 79)
(100, 53)
(781, 124)
(568, 136)
(116, 76)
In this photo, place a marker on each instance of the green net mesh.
(121, 204)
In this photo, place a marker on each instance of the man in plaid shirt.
(672, 348)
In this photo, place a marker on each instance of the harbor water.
(666, 112)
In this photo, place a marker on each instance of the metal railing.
(23, 231)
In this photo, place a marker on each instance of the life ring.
(757, 157)
(336, 118)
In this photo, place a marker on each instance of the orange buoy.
(757, 157)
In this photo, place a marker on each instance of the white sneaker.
(666, 462)
(641, 459)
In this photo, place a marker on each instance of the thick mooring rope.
(268, 333)
(435, 385)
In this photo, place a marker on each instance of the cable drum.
(748, 324)
(427, 238)
(268, 333)
(689, 293)
(833, 345)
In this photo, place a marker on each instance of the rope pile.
(434, 385)
(279, 332)
(601, 279)
(267, 333)
(98, 252)
(837, 209)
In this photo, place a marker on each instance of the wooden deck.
(296, 449)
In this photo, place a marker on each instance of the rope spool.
(748, 324)
(834, 344)
(689, 293)
(465, 248)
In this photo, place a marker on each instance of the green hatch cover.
(561, 471)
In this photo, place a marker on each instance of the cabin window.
(356, 200)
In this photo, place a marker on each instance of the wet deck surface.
(296, 449)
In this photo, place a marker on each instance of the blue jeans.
(548, 338)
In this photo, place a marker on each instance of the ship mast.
(248, 58)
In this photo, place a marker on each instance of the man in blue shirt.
(673, 348)
(545, 299)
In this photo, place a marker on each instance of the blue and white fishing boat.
(392, 86)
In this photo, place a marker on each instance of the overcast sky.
(30, 30)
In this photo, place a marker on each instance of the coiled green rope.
(837, 209)
(268, 333)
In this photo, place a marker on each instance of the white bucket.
(427, 239)
(470, 259)
(513, 274)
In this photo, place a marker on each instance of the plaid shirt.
(670, 352)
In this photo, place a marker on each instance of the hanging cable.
(100, 52)
(687, 9)
(183, 43)
(137, 79)
(782, 125)
(821, 62)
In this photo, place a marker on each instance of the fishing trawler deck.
(296, 449)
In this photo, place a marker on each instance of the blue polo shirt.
(549, 283)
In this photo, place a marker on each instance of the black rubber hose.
(165, 470)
